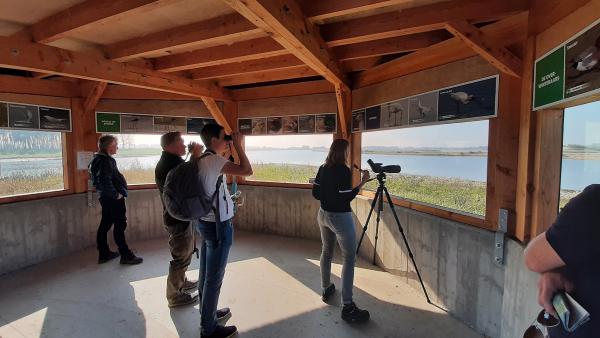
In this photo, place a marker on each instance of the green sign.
(549, 82)
(108, 123)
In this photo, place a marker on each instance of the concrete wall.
(35, 231)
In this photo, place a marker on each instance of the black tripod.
(379, 198)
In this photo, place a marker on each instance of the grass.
(283, 173)
(27, 184)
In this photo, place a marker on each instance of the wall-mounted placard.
(137, 124)
(306, 124)
(3, 115)
(23, 116)
(326, 123)
(108, 123)
(274, 125)
(475, 100)
(289, 124)
(195, 124)
(164, 124)
(570, 71)
(245, 126)
(259, 126)
(55, 119)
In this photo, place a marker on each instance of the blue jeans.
(338, 226)
(212, 270)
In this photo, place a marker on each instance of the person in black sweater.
(333, 187)
(111, 187)
(181, 236)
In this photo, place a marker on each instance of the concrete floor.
(272, 285)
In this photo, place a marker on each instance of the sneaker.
(352, 314)
(131, 259)
(222, 332)
(189, 286)
(327, 292)
(183, 299)
(223, 314)
(103, 258)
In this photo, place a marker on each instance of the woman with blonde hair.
(333, 187)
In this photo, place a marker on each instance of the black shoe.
(352, 314)
(222, 332)
(183, 299)
(131, 259)
(105, 257)
(327, 292)
(223, 314)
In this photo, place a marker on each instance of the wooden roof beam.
(267, 76)
(505, 32)
(216, 31)
(25, 85)
(88, 12)
(242, 51)
(283, 90)
(382, 47)
(217, 113)
(494, 53)
(319, 11)
(92, 99)
(19, 54)
(275, 62)
(285, 22)
(418, 20)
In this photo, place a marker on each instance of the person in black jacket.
(181, 236)
(333, 187)
(111, 187)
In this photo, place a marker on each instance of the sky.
(582, 126)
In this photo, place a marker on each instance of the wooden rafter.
(381, 47)
(92, 99)
(237, 52)
(319, 11)
(417, 20)
(504, 32)
(275, 62)
(19, 54)
(23, 85)
(216, 31)
(217, 113)
(494, 53)
(355, 65)
(283, 90)
(287, 24)
(82, 14)
(267, 76)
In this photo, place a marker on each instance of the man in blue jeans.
(216, 227)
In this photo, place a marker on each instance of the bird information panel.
(32, 117)
(569, 71)
(121, 123)
(294, 124)
(470, 101)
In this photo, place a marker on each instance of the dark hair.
(208, 132)
(168, 138)
(337, 153)
(105, 141)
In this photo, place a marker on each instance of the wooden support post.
(502, 154)
(82, 138)
(343, 96)
(548, 142)
(356, 158)
(494, 53)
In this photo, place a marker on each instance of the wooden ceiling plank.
(283, 90)
(382, 47)
(92, 99)
(355, 65)
(490, 50)
(504, 32)
(218, 30)
(276, 62)
(267, 76)
(217, 114)
(24, 85)
(417, 20)
(319, 11)
(19, 54)
(92, 11)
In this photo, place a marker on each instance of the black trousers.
(113, 212)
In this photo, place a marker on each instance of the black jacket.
(107, 179)
(333, 187)
(166, 163)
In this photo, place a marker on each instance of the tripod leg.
(379, 210)
(410, 254)
(368, 219)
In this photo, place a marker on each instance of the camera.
(227, 137)
(378, 168)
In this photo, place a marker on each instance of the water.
(576, 174)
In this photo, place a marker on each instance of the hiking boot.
(328, 292)
(131, 259)
(352, 314)
(223, 314)
(222, 332)
(105, 257)
(183, 299)
(189, 286)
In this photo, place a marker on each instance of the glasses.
(539, 327)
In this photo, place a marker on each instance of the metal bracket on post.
(499, 238)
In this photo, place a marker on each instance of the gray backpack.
(183, 193)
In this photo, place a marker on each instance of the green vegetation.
(27, 184)
(283, 173)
